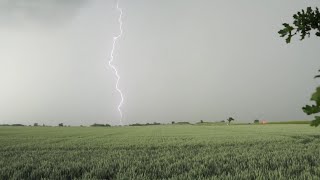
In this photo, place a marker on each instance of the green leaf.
(282, 32)
(286, 25)
(288, 39)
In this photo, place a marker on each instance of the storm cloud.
(179, 60)
(51, 12)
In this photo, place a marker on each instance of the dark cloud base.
(48, 12)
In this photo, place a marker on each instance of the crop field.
(279, 151)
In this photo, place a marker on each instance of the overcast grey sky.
(179, 60)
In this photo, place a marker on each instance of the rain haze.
(179, 60)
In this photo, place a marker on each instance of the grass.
(282, 151)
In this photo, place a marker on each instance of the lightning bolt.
(115, 71)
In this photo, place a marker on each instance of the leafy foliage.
(304, 22)
(317, 76)
(316, 121)
(311, 109)
(314, 109)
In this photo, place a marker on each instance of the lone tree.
(230, 119)
(256, 121)
(305, 21)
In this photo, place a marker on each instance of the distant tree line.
(180, 123)
(12, 125)
(147, 124)
(100, 125)
(256, 121)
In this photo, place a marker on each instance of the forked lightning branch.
(115, 71)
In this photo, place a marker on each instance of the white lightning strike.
(115, 38)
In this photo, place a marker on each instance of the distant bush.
(100, 125)
(173, 122)
(35, 124)
(147, 124)
(181, 123)
(136, 124)
(17, 125)
(61, 125)
(256, 121)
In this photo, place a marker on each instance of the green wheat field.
(274, 151)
